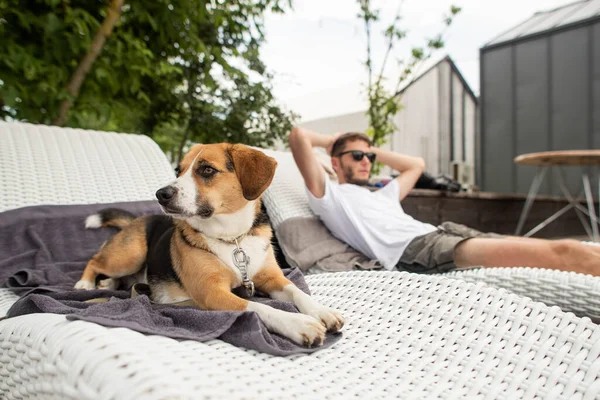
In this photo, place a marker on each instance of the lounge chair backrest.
(52, 165)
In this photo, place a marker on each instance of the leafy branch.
(113, 14)
(383, 104)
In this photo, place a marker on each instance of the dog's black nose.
(165, 195)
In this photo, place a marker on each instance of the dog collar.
(241, 261)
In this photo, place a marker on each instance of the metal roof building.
(540, 90)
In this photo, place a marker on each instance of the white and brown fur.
(187, 253)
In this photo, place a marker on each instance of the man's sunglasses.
(358, 155)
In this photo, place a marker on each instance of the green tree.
(179, 70)
(383, 103)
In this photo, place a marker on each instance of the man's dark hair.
(340, 142)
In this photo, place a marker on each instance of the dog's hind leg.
(122, 255)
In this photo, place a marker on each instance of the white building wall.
(353, 122)
(443, 118)
(457, 118)
(417, 121)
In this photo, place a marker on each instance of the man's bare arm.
(302, 142)
(410, 168)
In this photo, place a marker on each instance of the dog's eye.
(177, 171)
(207, 171)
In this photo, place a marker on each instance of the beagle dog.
(212, 239)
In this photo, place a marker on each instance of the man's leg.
(564, 255)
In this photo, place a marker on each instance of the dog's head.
(216, 179)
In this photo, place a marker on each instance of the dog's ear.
(254, 169)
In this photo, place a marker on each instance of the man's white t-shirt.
(372, 222)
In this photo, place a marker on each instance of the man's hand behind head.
(332, 141)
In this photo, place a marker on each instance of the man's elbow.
(296, 136)
(420, 164)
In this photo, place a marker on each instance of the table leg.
(590, 203)
(579, 209)
(535, 186)
(548, 220)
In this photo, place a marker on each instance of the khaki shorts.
(434, 252)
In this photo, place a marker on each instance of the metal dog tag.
(244, 291)
(241, 261)
(249, 288)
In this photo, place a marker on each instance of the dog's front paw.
(300, 328)
(85, 285)
(332, 320)
(304, 330)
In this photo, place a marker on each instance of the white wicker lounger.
(573, 292)
(406, 336)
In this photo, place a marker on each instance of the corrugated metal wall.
(539, 94)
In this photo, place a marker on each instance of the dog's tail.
(109, 217)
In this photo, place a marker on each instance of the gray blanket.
(44, 249)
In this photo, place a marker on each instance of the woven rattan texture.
(570, 291)
(7, 299)
(52, 165)
(286, 196)
(407, 336)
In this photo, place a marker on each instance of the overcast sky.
(321, 44)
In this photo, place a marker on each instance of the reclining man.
(374, 223)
